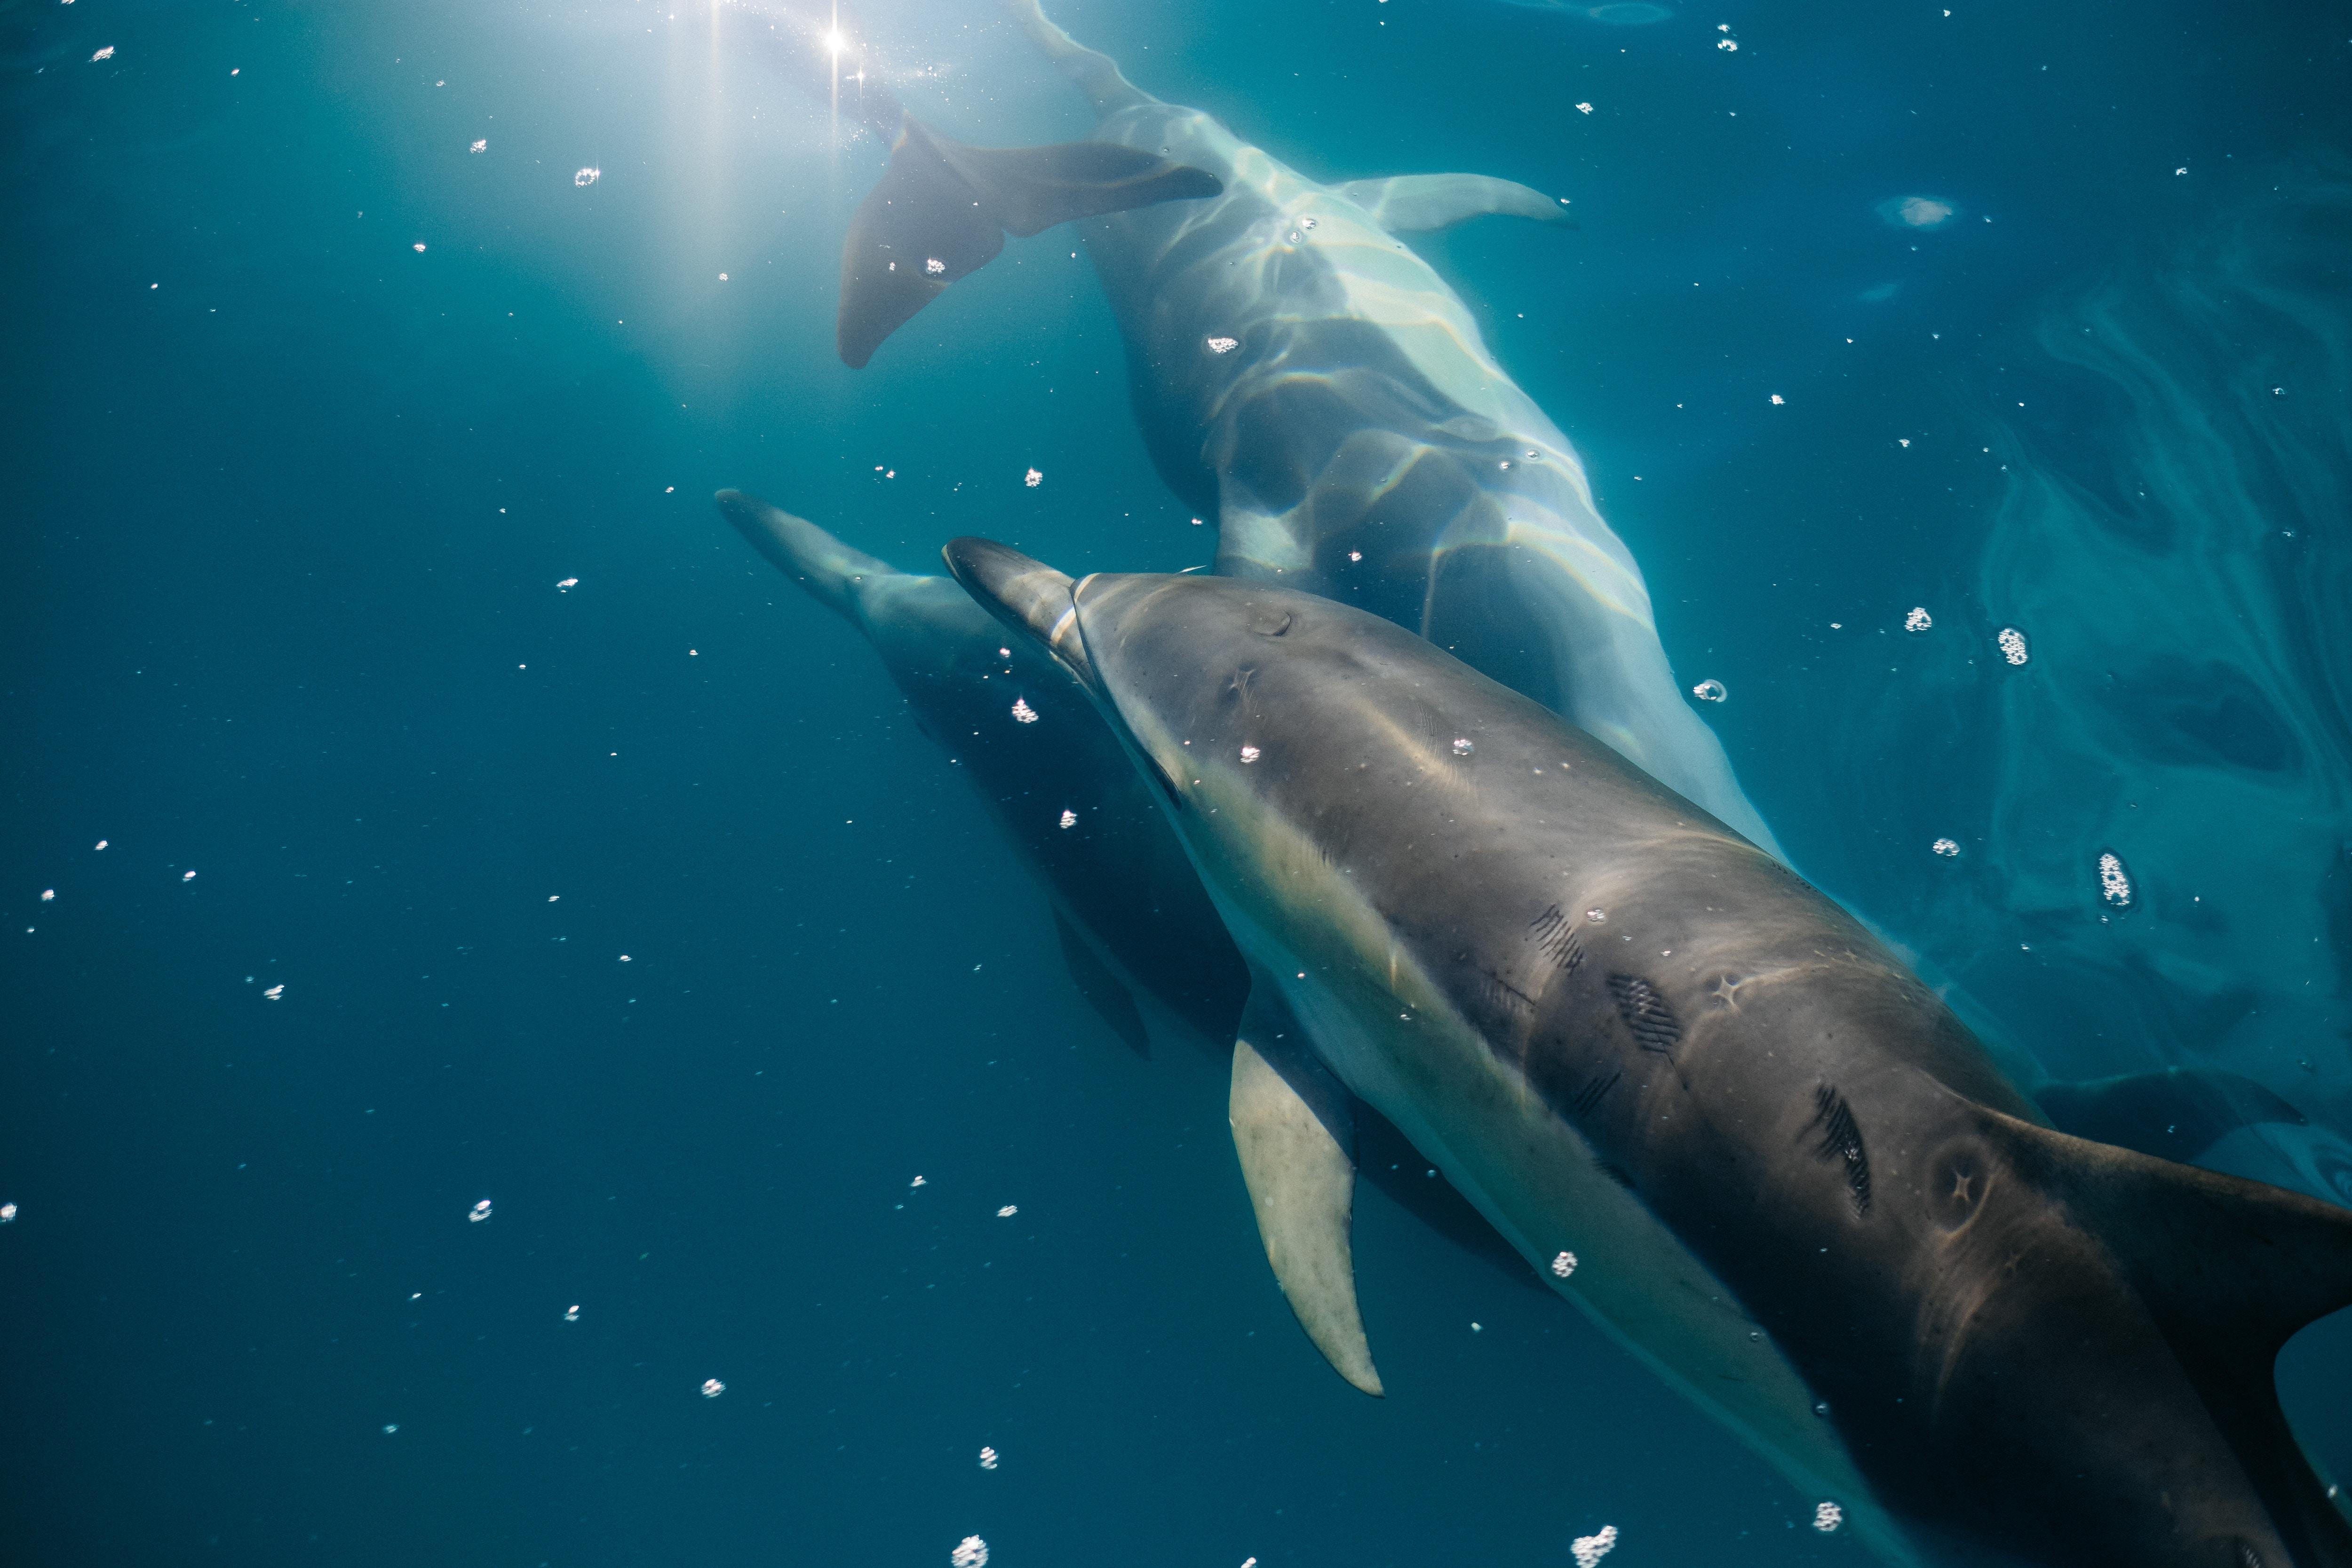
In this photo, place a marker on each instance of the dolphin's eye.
(1271, 624)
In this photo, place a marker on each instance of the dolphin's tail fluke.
(831, 571)
(942, 211)
(1097, 74)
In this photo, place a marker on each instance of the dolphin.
(1726, 1119)
(1132, 916)
(1302, 375)
(1130, 912)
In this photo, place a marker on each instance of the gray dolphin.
(1131, 915)
(1301, 374)
(1129, 908)
(1726, 1118)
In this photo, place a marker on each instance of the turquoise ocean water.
(414, 795)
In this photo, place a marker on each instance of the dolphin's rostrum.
(1795, 1184)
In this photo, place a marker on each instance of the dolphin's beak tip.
(1027, 594)
(987, 569)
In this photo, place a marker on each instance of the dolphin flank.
(1300, 372)
(1757, 1150)
(1133, 919)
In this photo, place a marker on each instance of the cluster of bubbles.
(1588, 1549)
(1827, 1517)
(1564, 1265)
(2115, 882)
(971, 1551)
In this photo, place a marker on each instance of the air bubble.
(1588, 1549)
(1709, 691)
(2116, 888)
(1462, 746)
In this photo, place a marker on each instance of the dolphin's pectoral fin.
(1293, 1131)
(1103, 990)
(941, 210)
(1405, 203)
(2175, 1114)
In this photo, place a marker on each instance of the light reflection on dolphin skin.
(1359, 440)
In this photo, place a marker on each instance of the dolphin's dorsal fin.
(941, 210)
(1402, 204)
(1294, 1133)
(2233, 1265)
(2228, 1269)
(1102, 987)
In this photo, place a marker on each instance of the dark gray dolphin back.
(1127, 907)
(2038, 1349)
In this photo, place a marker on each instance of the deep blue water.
(290, 499)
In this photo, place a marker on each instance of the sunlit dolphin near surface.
(1302, 375)
(1730, 1123)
